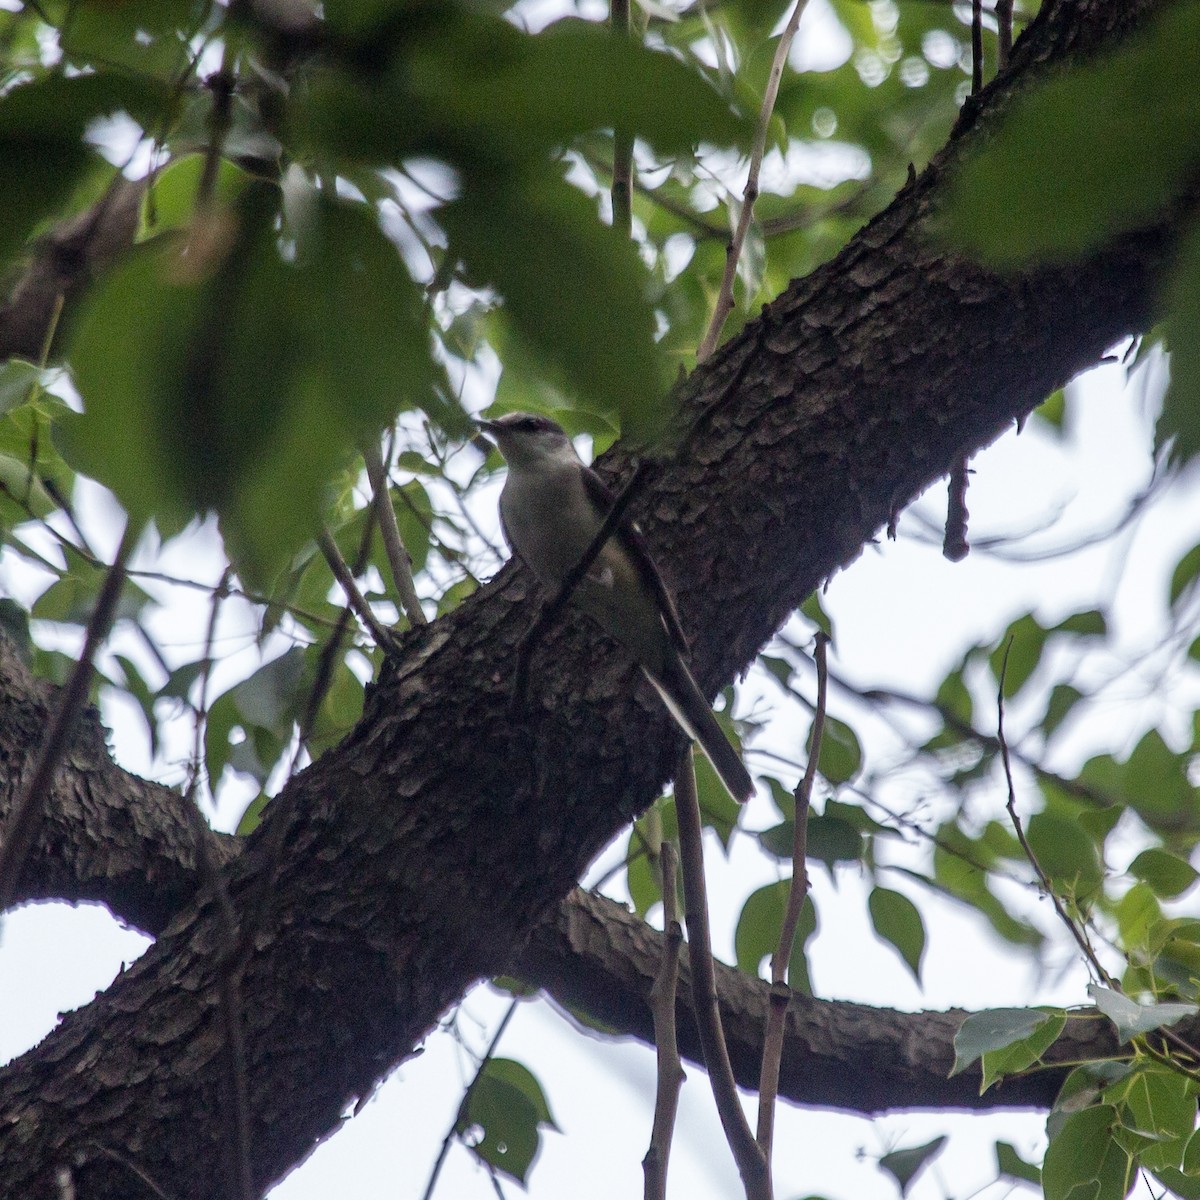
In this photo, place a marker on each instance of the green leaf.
(1010, 1165)
(1089, 154)
(984, 1032)
(815, 612)
(1167, 873)
(1089, 623)
(1052, 411)
(1160, 1104)
(506, 1109)
(758, 927)
(1131, 1018)
(905, 1165)
(18, 379)
(898, 921)
(1084, 1162)
(1023, 1054)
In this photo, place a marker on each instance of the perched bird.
(551, 508)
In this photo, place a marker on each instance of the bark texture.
(421, 852)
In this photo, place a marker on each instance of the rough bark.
(420, 852)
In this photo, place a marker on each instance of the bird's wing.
(635, 544)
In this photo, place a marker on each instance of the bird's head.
(528, 440)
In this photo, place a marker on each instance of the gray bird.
(551, 508)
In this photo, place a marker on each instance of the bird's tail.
(686, 703)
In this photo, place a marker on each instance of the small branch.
(570, 582)
(26, 811)
(397, 554)
(781, 960)
(733, 252)
(955, 546)
(355, 598)
(488, 1055)
(222, 85)
(622, 183)
(751, 1164)
(662, 1006)
(1004, 18)
(1080, 939)
(976, 47)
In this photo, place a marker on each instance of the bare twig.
(751, 1164)
(222, 85)
(955, 546)
(397, 554)
(1018, 828)
(976, 47)
(622, 196)
(662, 1007)
(781, 960)
(451, 1133)
(733, 251)
(570, 582)
(137, 1171)
(27, 809)
(237, 1111)
(1004, 18)
(355, 598)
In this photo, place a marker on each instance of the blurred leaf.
(841, 753)
(1083, 1161)
(227, 378)
(574, 289)
(143, 695)
(252, 816)
(170, 201)
(1063, 698)
(815, 612)
(758, 928)
(1021, 649)
(1052, 412)
(897, 920)
(1184, 576)
(1089, 154)
(1131, 1018)
(1167, 873)
(905, 1165)
(42, 146)
(1066, 854)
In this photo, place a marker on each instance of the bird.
(552, 505)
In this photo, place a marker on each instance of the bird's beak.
(492, 427)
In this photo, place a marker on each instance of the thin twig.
(662, 1008)
(570, 581)
(393, 544)
(976, 47)
(355, 598)
(137, 1171)
(781, 960)
(1080, 940)
(222, 84)
(733, 251)
(622, 182)
(237, 1112)
(452, 1132)
(27, 809)
(751, 1164)
(1004, 18)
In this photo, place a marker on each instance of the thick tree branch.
(422, 850)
